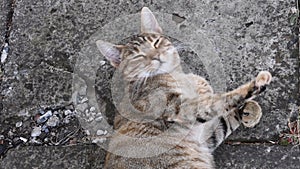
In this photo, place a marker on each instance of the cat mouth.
(159, 68)
(152, 73)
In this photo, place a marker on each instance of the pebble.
(87, 132)
(66, 121)
(36, 131)
(45, 129)
(4, 53)
(101, 132)
(23, 113)
(53, 121)
(46, 139)
(83, 100)
(102, 62)
(44, 117)
(35, 141)
(24, 139)
(98, 119)
(284, 157)
(17, 141)
(82, 107)
(73, 141)
(16, 72)
(268, 149)
(69, 107)
(92, 109)
(90, 119)
(98, 140)
(68, 112)
(41, 111)
(19, 124)
(294, 10)
(10, 133)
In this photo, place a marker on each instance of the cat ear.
(110, 51)
(148, 22)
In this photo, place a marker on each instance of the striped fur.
(174, 119)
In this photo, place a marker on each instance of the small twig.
(298, 124)
(65, 139)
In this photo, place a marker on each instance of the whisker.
(142, 81)
(145, 80)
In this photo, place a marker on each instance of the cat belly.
(207, 135)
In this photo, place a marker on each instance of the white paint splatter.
(102, 62)
(4, 53)
(294, 10)
(268, 150)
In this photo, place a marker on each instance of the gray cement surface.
(257, 157)
(49, 36)
(251, 37)
(91, 156)
(248, 36)
(3, 17)
(71, 157)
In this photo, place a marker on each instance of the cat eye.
(156, 42)
(246, 114)
(139, 56)
(168, 44)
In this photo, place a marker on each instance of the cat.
(166, 118)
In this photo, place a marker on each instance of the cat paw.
(251, 113)
(263, 78)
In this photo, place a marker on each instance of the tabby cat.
(169, 119)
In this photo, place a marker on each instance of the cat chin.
(152, 74)
(163, 68)
(147, 74)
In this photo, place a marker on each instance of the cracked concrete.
(257, 156)
(246, 50)
(79, 156)
(4, 10)
(47, 37)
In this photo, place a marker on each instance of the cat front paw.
(263, 78)
(251, 113)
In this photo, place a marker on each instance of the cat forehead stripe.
(139, 40)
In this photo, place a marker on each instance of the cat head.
(148, 54)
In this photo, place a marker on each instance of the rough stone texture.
(79, 156)
(49, 35)
(255, 37)
(251, 37)
(257, 156)
(91, 156)
(3, 18)
(248, 36)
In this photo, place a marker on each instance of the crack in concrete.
(9, 21)
(298, 34)
(252, 142)
(5, 46)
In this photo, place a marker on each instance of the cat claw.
(263, 78)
